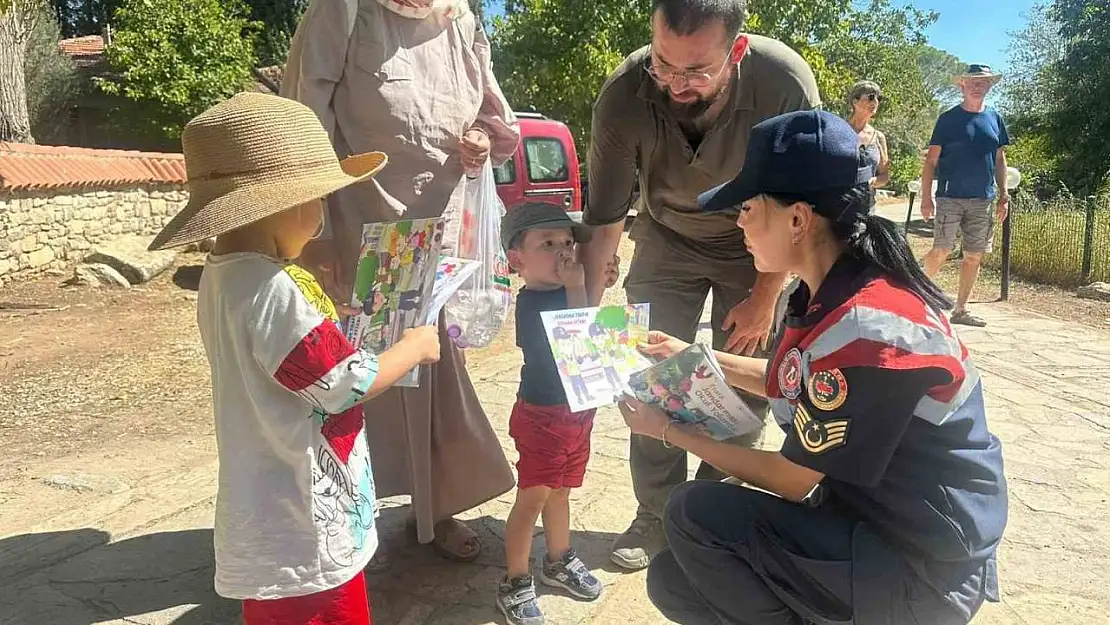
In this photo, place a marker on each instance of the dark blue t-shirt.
(968, 144)
(539, 377)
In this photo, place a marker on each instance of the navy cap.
(801, 153)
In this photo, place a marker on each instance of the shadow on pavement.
(134, 576)
(101, 581)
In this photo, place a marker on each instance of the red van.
(544, 168)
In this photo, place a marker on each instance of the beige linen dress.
(410, 88)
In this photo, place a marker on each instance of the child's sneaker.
(516, 598)
(570, 573)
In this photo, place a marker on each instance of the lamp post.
(1013, 179)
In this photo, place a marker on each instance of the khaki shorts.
(974, 217)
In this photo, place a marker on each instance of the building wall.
(47, 230)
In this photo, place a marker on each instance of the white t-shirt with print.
(294, 511)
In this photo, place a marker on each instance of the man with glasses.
(677, 114)
(967, 158)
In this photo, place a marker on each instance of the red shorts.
(342, 605)
(553, 443)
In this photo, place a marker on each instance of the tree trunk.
(15, 123)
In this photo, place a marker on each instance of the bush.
(176, 58)
(51, 79)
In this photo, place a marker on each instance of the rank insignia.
(790, 374)
(828, 389)
(817, 437)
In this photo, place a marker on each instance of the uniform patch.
(828, 389)
(817, 437)
(790, 374)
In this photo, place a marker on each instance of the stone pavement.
(140, 552)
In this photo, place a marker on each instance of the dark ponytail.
(873, 239)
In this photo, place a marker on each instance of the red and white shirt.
(295, 506)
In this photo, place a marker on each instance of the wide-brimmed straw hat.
(978, 70)
(252, 156)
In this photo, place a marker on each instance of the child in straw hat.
(294, 523)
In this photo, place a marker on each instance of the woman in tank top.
(863, 100)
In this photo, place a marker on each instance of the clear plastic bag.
(475, 314)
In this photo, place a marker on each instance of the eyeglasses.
(668, 75)
(874, 97)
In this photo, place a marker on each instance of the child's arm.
(307, 353)
(573, 275)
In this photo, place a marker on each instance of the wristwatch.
(816, 495)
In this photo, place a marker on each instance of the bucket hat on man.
(252, 156)
(978, 70)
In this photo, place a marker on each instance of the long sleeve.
(495, 116)
(318, 55)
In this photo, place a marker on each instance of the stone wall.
(43, 230)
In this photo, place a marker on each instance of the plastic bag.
(475, 314)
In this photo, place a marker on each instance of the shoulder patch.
(790, 374)
(828, 390)
(310, 288)
(817, 437)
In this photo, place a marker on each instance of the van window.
(547, 160)
(505, 173)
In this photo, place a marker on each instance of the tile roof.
(86, 52)
(43, 167)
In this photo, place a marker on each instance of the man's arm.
(612, 173)
(928, 174)
(1003, 208)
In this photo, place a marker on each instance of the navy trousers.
(740, 556)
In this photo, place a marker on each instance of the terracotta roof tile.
(82, 46)
(42, 167)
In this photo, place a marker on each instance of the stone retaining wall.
(43, 230)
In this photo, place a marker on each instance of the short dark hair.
(686, 17)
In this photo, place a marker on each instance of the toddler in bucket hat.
(294, 524)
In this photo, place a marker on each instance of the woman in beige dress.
(410, 78)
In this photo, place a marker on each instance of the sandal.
(965, 318)
(454, 540)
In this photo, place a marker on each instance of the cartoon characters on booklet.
(388, 282)
(668, 386)
(600, 348)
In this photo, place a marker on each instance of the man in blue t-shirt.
(968, 162)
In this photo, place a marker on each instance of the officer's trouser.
(676, 286)
(740, 556)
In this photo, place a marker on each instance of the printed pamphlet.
(691, 388)
(394, 284)
(596, 349)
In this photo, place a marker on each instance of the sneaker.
(516, 598)
(643, 539)
(570, 572)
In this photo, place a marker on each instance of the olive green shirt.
(635, 132)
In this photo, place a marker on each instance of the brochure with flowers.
(691, 388)
(596, 350)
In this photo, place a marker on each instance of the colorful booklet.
(691, 387)
(394, 284)
(596, 349)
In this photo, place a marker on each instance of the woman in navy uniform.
(887, 500)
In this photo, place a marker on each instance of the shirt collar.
(846, 277)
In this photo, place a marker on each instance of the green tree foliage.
(49, 75)
(1056, 94)
(552, 56)
(279, 19)
(84, 17)
(175, 58)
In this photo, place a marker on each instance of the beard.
(693, 110)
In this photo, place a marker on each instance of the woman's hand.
(662, 346)
(643, 419)
(474, 148)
